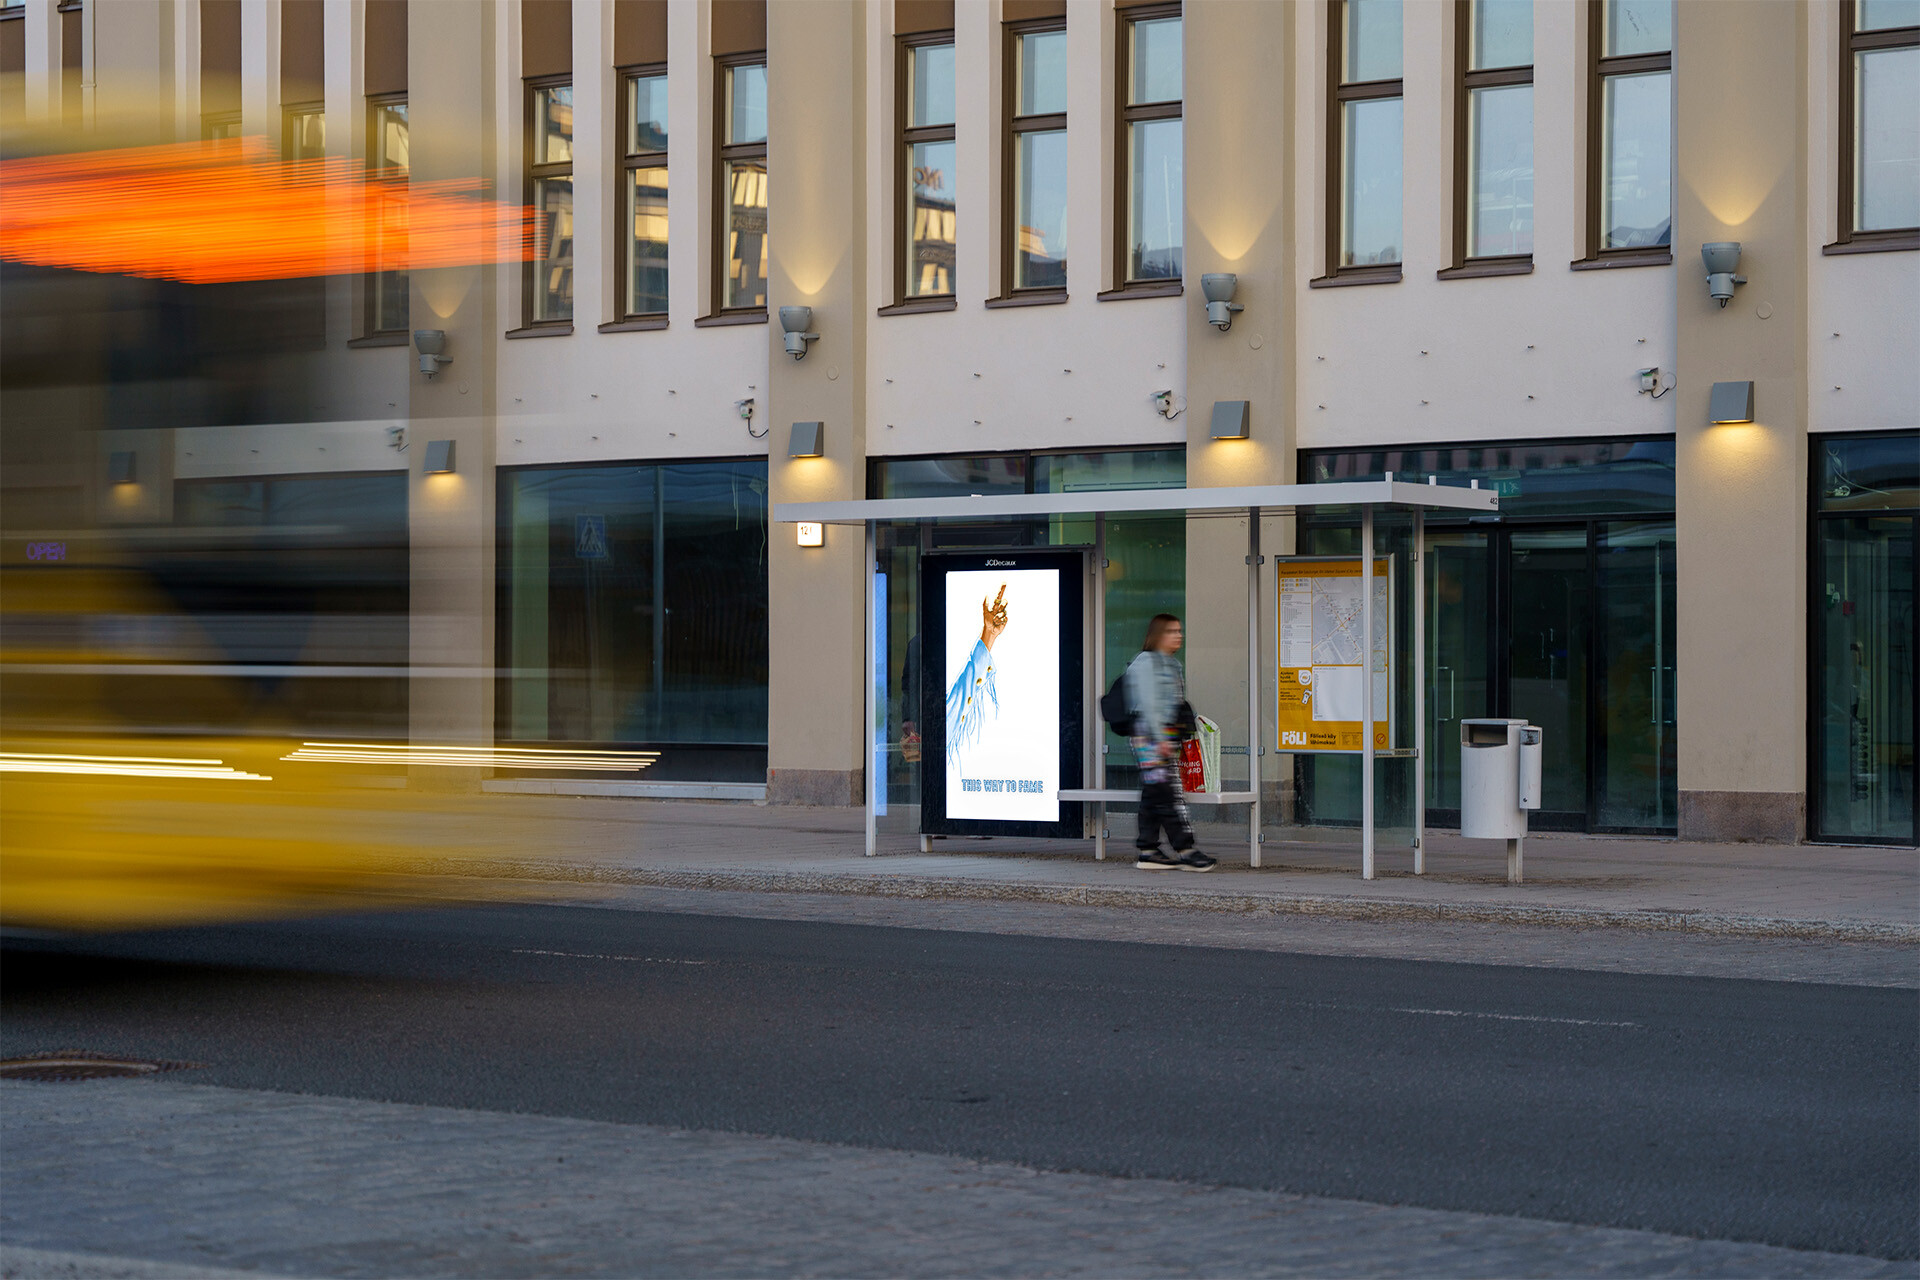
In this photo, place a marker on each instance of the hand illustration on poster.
(1003, 698)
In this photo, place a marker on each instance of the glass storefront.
(1863, 636)
(1559, 611)
(633, 612)
(1146, 573)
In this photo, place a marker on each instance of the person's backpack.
(1114, 709)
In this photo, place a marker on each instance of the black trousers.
(1163, 806)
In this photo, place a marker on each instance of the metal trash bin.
(1500, 769)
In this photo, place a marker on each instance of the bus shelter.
(1254, 503)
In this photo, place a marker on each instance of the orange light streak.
(216, 212)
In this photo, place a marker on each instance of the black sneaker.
(1194, 860)
(1154, 860)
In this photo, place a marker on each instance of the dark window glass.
(1541, 477)
(636, 604)
(1869, 473)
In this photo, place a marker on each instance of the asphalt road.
(1774, 1112)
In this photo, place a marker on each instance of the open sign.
(46, 551)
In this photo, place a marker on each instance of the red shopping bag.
(1193, 777)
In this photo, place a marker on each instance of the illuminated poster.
(1323, 660)
(1004, 691)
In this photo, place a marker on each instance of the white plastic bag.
(1209, 734)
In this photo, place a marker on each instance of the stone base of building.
(1765, 817)
(825, 788)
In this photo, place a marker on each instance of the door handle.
(1450, 706)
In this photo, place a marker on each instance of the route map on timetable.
(1336, 622)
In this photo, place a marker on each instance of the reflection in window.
(1038, 237)
(1155, 182)
(1498, 82)
(388, 151)
(1634, 196)
(636, 604)
(743, 187)
(928, 155)
(644, 245)
(1886, 133)
(304, 135)
(1367, 107)
(551, 179)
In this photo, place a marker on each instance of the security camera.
(1723, 259)
(795, 321)
(1218, 286)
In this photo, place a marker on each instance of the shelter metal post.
(1253, 684)
(1366, 691)
(1098, 728)
(1419, 691)
(870, 728)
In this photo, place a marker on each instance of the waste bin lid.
(1486, 732)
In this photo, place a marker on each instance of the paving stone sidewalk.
(197, 1176)
(1846, 893)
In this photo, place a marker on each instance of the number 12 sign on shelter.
(1323, 660)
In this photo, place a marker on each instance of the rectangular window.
(1630, 133)
(1363, 141)
(1864, 632)
(1879, 125)
(633, 611)
(1493, 138)
(549, 294)
(643, 196)
(1150, 220)
(1035, 229)
(740, 249)
(388, 153)
(924, 225)
(304, 132)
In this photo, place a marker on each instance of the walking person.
(1157, 694)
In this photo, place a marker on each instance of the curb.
(1333, 908)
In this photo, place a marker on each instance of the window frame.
(1852, 42)
(1339, 94)
(1465, 80)
(372, 334)
(532, 174)
(906, 136)
(723, 151)
(1601, 68)
(625, 162)
(289, 112)
(1126, 114)
(1012, 127)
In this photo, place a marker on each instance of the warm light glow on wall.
(212, 212)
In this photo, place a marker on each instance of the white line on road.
(586, 955)
(1517, 1017)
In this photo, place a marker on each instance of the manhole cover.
(82, 1064)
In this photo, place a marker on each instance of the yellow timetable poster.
(1323, 660)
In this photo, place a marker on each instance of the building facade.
(1465, 238)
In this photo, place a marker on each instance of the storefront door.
(1570, 627)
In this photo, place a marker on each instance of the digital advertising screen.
(1004, 632)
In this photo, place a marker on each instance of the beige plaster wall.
(817, 198)
(452, 46)
(1239, 219)
(1740, 78)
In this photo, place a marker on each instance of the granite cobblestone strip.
(893, 884)
(188, 1176)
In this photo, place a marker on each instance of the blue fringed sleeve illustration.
(967, 700)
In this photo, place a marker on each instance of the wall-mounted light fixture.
(807, 441)
(1230, 419)
(432, 345)
(120, 469)
(1219, 286)
(1723, 259)
(795, 321)
(439, 459)
(1730, 402)
(810, 534)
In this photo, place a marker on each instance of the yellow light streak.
(474, 757)
(123, 766)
